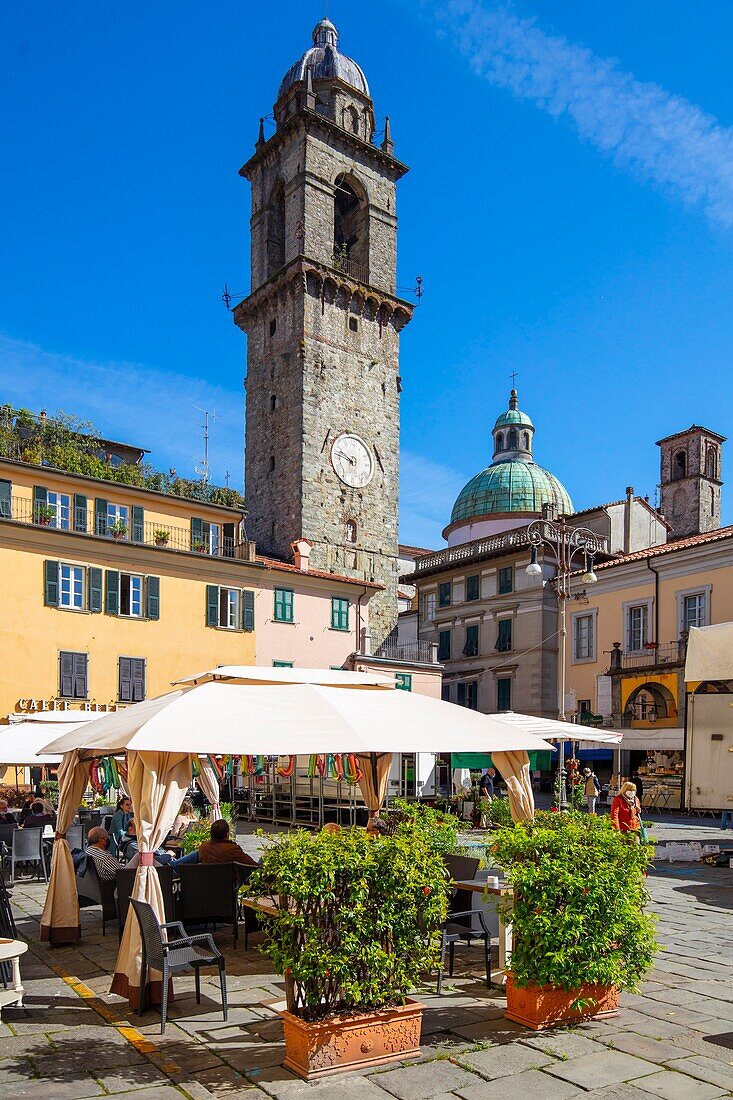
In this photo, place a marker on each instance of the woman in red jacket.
(626, 810)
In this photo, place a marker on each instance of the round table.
(10, 951)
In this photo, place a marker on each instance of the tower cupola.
(513, 433)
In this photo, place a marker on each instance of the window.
(504, 638)
(584, 707)
(206, 537)
(505, 580)
(694, 611)
(470, 649)
(500, 441)
(353, 324)
(679, 466)
(403, 681)
(711, 463)
(228, 616)
(339, 614)
(444, 645)
(118, 520)
(73, 675)
(350, 530)
(131, 595)
(473, 587)
(282, 664)
(214, 537)
(467, 694)
(504, 693)
(71, 587)
(583, 638)
(131, 671)
(428, 607)
(445, 693)
(284, 600)
(61, 504)
(445, 594)
(638, 633)
(513, 439)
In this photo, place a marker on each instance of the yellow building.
(626, 652)
(111, 592)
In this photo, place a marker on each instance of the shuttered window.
(445, 594)
(470, 649)
(40, 504)
(131, 595)
(96, 590)
(152, 596)
(71, 587)
(6, 488)
(504, 638)
(138, 523)
(80, 512)
(284, 605)
(505, 580)
(73, 675)
(504, 693)
(473, 586)
(248, 610)
(100, 516)
(444, 645)
(112, 592)
(339, 613)
(51, 583)
(131, 679)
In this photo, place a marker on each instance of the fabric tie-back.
(208, 783)
(158, 782)
(60, 918)
(374, 792)
(514, 768)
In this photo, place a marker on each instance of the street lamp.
(566, 546)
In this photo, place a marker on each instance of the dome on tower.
(513, 487)
(325, 62)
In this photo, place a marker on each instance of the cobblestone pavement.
(74, 1040)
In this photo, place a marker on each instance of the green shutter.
(138, 679)
(112, 602)
(197, 531)
(248, 610)
(284, 605)
(339, 613)
(96, 593)
(6, 510)
(100, 517)
(212, 604)
(152, 590)
(51, 583)
(40, 497)
(66, 675)
(138, 523)
(80, 512)
(125, 668)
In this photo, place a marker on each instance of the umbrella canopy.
(21, 742)
(709, 653)
(239, 717)
(553, 730)
(259, 674)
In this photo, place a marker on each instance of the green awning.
(538, 761)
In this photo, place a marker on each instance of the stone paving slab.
(594, 1070)
(503, 1061)
(675, 1086)
(706, 1069)
(528, 1085)
(424, 1081)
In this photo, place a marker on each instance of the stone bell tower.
(691, 480)
(323, 323)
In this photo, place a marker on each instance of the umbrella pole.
(375, 781)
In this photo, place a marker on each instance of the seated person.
(377, 826)
(220, 849)
(131, 851)
(122, 815)
(97, 844)
(37, 818)
(25, 809)
(48, 807)
(184, 819)
(6, 817)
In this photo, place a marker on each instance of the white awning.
(710, 653)
(671, 739)
(21, 741)
(552, 730)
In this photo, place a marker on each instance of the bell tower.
(691, 480)
(323, 321)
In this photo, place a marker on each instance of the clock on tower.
(323, 323)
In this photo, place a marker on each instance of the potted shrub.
(161, 536)
(45, 514)
(118, 529)
(199, 546)
(580, 931)
(354, 926)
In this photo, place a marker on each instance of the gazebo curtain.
(208, 783)
(514, 768)
(158, 782)
(60, 917)
(375, 768)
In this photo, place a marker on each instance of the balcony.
(85, 522)
(413, 652)
(483, 548)
(653, 656)
(351, 267)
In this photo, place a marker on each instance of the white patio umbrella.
(552, 730)
(279, 711)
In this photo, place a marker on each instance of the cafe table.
(10, 952)
(502, 890)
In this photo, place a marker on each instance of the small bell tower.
(691, 480)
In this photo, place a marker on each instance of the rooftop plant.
(578, 912)
(359, 927)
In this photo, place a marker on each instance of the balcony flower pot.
(581, 935)
(161, 537)
(347, 1043)
(542, 1006)
(352, 927)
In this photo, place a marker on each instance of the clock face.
(352, 460)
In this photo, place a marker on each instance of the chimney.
(301, 553)
(250, 550)
(627, 518)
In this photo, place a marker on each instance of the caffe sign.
(36, 706)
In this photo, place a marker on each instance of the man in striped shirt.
(107, 866)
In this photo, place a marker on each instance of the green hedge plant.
(578, 912)
(361, 920)
(438, 829)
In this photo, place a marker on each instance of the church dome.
(514, 485)
(325, 62)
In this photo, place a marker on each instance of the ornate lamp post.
(566, 547)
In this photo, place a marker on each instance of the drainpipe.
(627, 518)
(651, 568)
(358, 621)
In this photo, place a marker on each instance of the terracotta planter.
(540, 1006)
(352, 1042)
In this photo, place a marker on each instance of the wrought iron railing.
(351, 267)
(415, 652)
(480, 548)
(654, 655)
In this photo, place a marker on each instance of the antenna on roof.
(203, 469)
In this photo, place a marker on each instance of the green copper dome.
(514, 485)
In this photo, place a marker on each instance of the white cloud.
(427, 493)
(660, 136)
(129, 402)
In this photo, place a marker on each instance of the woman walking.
(626, 810)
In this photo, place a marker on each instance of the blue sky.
(569, 207)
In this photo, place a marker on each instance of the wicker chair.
(93, 890)
(125, 878)
(209, 895)
(175, 957)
